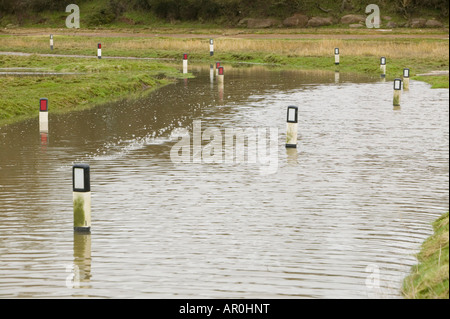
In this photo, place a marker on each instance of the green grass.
(436, 81)
(100, 81)
(429, 279)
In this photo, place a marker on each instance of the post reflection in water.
(292, 156)
(82, 259)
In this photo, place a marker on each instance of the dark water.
(341, 216)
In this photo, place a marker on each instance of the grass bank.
(95, 82)
(429, 279)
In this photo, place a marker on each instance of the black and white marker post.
(99, 50)
(51, 42)
(185, 63)
(292, 126)
(383, 67)
(211, 47)
(405, 79)
(336, 56)
(397, 91)
(43, 115)
(81, 198)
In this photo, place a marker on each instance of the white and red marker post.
(99, 50)
(217, 68)
(43, 115)
(185, 63)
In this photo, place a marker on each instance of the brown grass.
(399, 48)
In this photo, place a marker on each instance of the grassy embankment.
(98, 81)
(429, 279)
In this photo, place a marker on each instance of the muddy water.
(341, 217)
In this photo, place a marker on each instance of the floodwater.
(340, 217)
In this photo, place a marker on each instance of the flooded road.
(341, 217)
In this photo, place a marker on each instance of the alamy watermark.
(73, 279)
(373, 19)
(73, 20)
(257, 146)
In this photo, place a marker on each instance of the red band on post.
(43, 105)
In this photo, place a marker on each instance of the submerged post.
(81, 198)
(397, 91)
(405, 79)
(51, 41)
(221, 75)
(217, 68)
(292, 126)
(99, 50)
(211, 74)
(185, 63)
(43, 115)
(383, 67)
(211, 47)
(336, 56)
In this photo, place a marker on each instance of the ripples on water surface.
(341, 218)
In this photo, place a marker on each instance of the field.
(359, 53)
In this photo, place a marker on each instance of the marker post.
(397, 91)
(292, 127)
(185, 63)
(217, 68)
(43, 115)
(383, 67)
(405, 79)
(99, 50)
(221, 75)
(211, 47)
(81, 198)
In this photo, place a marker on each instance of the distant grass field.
(356, 55)
(102, 81)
